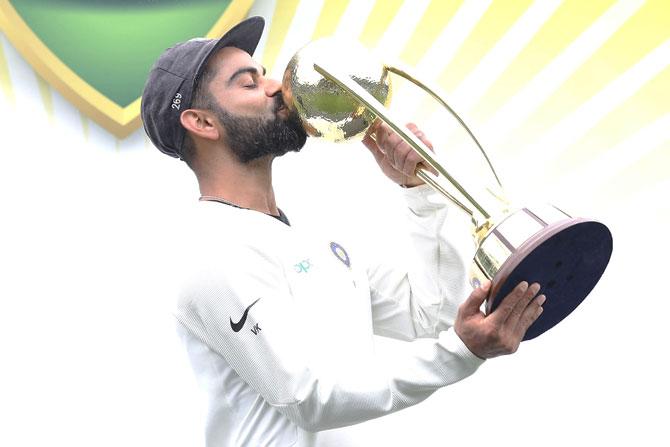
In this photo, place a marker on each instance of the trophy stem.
(384, 114)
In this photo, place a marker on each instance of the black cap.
(169, 87)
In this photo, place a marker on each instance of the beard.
(251, 138)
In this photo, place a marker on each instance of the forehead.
(228, 59)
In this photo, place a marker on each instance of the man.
(278, 324)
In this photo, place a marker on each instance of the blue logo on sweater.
(340, 253)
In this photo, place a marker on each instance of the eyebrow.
(244, 70)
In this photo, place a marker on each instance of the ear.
(200, 123)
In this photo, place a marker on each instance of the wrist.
(410, 183)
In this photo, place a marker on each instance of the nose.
(272, 87)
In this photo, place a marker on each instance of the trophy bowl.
(325, 110)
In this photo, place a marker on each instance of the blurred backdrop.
(570, 99)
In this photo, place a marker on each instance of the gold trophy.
(339, 90)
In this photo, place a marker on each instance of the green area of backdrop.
(112, 44)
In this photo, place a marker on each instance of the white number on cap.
(176, 101)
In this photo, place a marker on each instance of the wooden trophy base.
(567, 258)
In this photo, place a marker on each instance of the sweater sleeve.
(419, 297)
(251, 292)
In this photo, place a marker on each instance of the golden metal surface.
(324, 108)
(476, 276)
(491, 255)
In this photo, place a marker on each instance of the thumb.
(476, 299)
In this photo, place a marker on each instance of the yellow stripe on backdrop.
(437, 16)
(648, 104)
(495, 22)
(281, 22)
(5, 80)
(380, 18)
(565, 25)
(329, 18)
(47, 99)
(643, 32)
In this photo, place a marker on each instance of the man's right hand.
(500, 332)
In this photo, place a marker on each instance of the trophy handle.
(386, 115)
(402, 72)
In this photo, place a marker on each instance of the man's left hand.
(395, 156)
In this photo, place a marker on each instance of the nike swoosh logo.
(238, 326)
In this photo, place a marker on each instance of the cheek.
(250, 101)
(256, 109)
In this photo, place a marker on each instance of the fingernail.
(541, 299)
(523, 286)
(486, 285)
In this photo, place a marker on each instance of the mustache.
(279, 103)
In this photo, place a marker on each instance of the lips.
(279, 104)
(280, 107)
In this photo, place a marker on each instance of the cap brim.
(245, 36)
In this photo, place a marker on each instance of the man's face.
(255, 120)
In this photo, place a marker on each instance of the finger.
(383, 133)
(401, 154)
(471, 305)
(500, 315)
(374, 128)
(396, 151)
(376, 151)
(370, 143)
(521, 305)
(401, 151)
(388, 138)
(380, 158)
(411, 162)
(420, 135)
(374, 137)
(405, 158)
(529, 316)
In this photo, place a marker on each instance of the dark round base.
(566, 258)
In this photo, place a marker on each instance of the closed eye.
(246, 76)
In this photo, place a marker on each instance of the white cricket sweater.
(279, 326)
